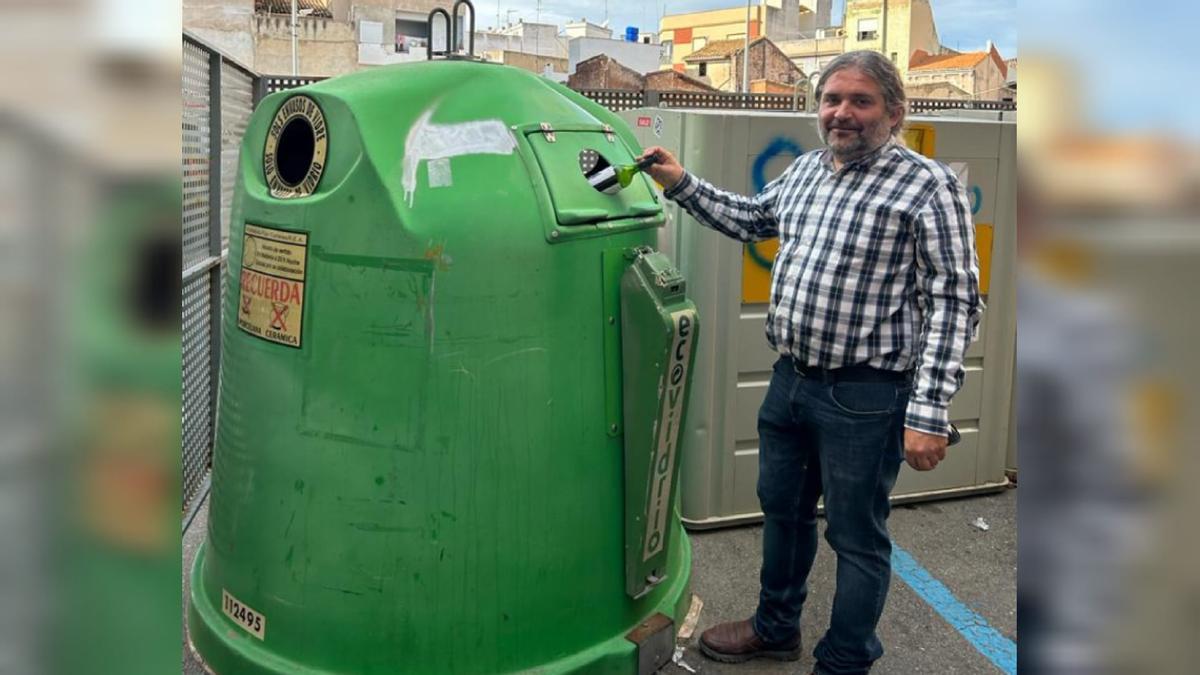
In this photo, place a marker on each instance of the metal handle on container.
(658, 336)
(431, 52)
(470, 33)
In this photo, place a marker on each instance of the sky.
(1118, 55)
(965, 25)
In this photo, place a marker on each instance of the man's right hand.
(666, 170)
(923, 451)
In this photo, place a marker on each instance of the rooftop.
(924, 61)
(719, 49)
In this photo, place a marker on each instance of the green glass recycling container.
(452, 377)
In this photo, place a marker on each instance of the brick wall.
(770, 87)
(669, 80)
(532, 62)
(767, 62)
(601, 72)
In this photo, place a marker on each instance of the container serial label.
(271, 304)
(251, 621)
(662, 467)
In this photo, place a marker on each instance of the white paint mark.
(439, 173)
(461, 369)
(530, 350)
(427, 141)
(449, 355)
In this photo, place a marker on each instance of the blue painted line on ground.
(987, 640)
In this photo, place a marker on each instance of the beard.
(849, 141)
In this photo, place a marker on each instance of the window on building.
(894, 55)
(703, 70)
(699, 43)
(665, 51)
(370, 32)
(868, 29)
(411, 34)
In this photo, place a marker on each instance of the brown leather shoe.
(736, 641)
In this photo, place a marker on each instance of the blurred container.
(631, 34)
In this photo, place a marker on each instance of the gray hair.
(878, 68)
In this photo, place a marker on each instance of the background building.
(584, 28)
(604, 72)
(640, 56)
(1011, 83)
(779, 20)
(341, 36)
(225, 24)
(812, 54)
(552, 67)
(526, 37)
(981, 75)
(936, 90)
(720, 65)
(908, 26)
(673, 80)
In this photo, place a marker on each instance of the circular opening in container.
(294, 154)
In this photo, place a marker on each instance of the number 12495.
(253, 622)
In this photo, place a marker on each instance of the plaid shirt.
(876, 266)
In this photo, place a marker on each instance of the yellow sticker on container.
(921, 138)
(271, 304)
(757, 259)
(983, 248)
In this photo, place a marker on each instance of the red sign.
(643, 121)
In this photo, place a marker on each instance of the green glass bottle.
(621, 175)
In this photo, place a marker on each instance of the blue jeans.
(844, 439)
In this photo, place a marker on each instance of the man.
(874, 300)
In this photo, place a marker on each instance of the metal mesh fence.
(195, 153)
(274, 83)
(697, 99)
(237, 102)
(615, 99)
(920, 105)
(218, 96)
(198, 380)
(622, 99)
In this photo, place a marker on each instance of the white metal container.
(742, 151)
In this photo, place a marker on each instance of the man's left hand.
(923, 451)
